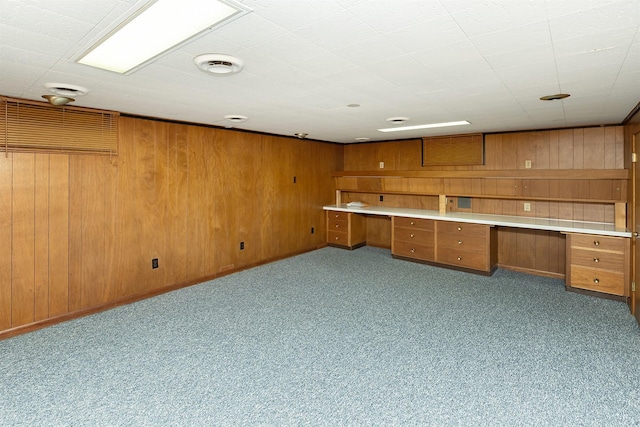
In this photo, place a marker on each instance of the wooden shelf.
(591, 174)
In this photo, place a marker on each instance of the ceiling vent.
(220, 65)
(66, 90)
(397, 120)
(236, 118)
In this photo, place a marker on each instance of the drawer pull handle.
(459, 228)
(596, 260)
(412, 235)
(337, 238)
(337, 225)
(459, 258)
(337, 215)
(459, 242)
(596, 281)
(596, 242)
(413, 251)
(412, 223)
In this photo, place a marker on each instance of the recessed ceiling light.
(67, 90)
(157, 28)
(397, 120)
(218, 64)
(353, 105)
(362, 139)
(235, 118)
(554, 97)
(427, 126)
(301, 135)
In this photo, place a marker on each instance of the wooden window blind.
(35, 126)
(453, 150)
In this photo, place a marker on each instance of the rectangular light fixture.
(428, 126)
(157, 28)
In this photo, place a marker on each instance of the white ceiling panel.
(487, 61)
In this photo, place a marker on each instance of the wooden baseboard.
(532, 271)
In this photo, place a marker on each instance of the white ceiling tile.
(385, 16)
(442, 31)
(613, 18)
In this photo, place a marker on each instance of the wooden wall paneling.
(379, 231)
(281, 222)
(594, 148)
(525, 148)
(238, 204)
(75, 232)
(199, 188)
(58, 234)
(23, 240)
(565, 149)
(492, 151)
(6, 221)
(507, 246)
(407, 155)
(554, 150)
(578, 149)
(210, 203)
(509, 152)
(611, 149)
(542, 150)
(175, 249)
(41, 237)
(526, 253)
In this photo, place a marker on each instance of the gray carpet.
(335, 338)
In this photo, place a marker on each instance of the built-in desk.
(467, 241)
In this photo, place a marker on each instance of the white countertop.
(563, 226)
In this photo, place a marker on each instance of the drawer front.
(412, 250)
(424, 224)
(338, 225)
(604, 243)
(470, 242)
(593, 279)
(338, 238)
(598, 259)
(462, 228)
(413, 236)
(338, 215)
(467, 259)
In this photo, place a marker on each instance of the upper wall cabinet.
(453, 150)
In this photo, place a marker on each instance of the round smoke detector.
(66, 90)
(221, 65)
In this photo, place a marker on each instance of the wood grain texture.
(6, 228)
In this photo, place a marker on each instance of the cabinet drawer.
(412, 250)
(414, 236)
(466, 242)
(338, 215)
(338, 224)
(462, 228)
(604, 243)
(598, 259)
(594, 279)
(338, 237)
(468, 259)
(424, 224)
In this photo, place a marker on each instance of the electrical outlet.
(313, 230)
(154, 263)
(381, 165)
(294, 179)
(527, 207)
(381, 198)
(527, 164)
(241, 246)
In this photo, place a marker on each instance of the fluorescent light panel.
(157, 28)
(432, 125)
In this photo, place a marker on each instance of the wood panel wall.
(80, 231)
(588, 149)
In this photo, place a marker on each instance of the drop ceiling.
(306, 61)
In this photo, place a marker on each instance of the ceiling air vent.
(221, 65)
(67, 90)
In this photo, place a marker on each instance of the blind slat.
(29, 125)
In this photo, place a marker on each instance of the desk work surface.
(563, 226)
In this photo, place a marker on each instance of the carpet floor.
(335, 338)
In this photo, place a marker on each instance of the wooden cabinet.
(452, 244)
(465, 245)
(346, 229)
(413, 238)
(598, 263)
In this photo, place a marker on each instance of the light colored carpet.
(335, 338)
